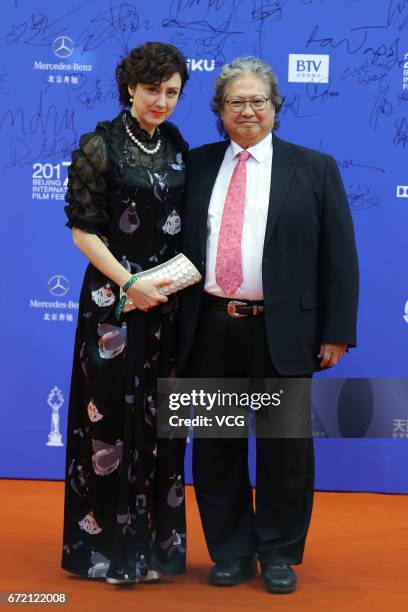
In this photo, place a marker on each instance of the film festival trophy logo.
(55, 401)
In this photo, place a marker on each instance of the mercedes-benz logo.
(63, 46)
(58, 285)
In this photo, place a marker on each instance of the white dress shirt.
(259, 168)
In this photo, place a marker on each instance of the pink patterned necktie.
(228, 266)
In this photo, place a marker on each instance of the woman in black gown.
(124, 494)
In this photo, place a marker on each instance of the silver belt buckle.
(232, 309)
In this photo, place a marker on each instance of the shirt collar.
(258, 151)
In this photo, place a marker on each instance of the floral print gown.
(124, 491)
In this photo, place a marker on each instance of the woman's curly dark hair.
(150, 63)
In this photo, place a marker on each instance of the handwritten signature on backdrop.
(371, 55)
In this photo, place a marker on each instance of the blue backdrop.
(343, 68)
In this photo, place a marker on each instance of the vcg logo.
(304, 68)
(201, 65)
(63, 46)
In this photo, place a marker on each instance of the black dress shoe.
(279, 578)
(232, 572)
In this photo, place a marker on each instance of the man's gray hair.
(238, 67)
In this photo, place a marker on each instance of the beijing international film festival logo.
(406, 312)
(305, 68)
(55, 400)
(63, 46)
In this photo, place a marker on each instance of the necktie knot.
(244, 156)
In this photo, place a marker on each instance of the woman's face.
(153, 104)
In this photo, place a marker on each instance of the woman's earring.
(131, 99)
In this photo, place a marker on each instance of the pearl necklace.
(140, 144)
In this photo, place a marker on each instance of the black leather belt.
(235, 308)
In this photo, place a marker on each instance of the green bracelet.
(121, 304)
(128, 284)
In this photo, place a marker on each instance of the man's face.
(247, 127)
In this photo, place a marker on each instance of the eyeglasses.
(237, 105)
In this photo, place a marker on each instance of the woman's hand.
(146, 294)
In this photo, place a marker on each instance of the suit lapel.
(283, 170)
(211, 165)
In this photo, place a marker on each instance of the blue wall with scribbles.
(343, 71)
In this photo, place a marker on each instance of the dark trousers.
(237, 348)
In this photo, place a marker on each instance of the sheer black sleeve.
(87, 189)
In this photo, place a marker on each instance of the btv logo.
(402, 191)
(304, 68)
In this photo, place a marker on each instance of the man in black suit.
(283, 305)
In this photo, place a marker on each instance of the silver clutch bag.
(180, 269)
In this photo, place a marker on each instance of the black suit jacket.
(309, 265)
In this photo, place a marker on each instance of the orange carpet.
(356, 559)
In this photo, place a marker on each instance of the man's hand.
(331, 354)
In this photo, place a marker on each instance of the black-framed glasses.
(237, 105)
